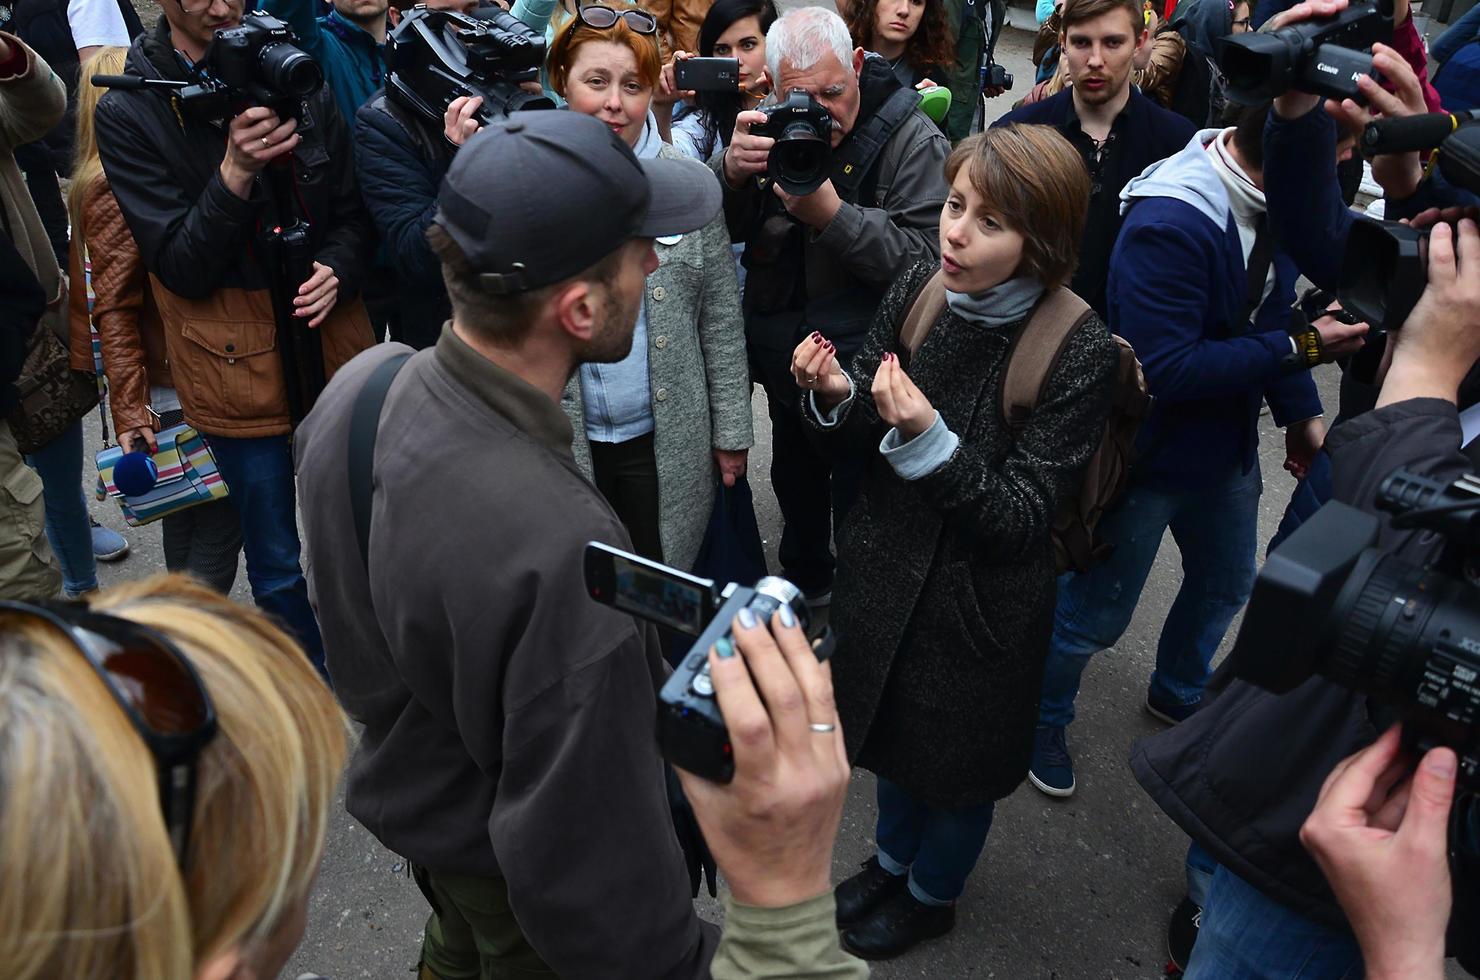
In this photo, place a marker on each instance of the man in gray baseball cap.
(508, 749)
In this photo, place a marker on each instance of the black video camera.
(436, 56)
(1327, 601)
(691, 731)
(1385, 269)
(1323, 56)
(802, 155)
(256, 63)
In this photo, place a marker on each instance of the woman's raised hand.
(814, 365)
(900, 403)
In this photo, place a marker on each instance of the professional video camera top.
(436, 56)
(1323, 56)
(256, 63)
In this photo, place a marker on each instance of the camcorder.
(256, 63)
(801, 158)
(691, 731)
(436, 56)
(1329, 602)
(1405, 635)
(1323, 56)
(1385, 267)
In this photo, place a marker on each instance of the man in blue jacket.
(1117, 130)
(1198, 288)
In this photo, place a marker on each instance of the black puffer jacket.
(401, 161)
(943, 602)
(163, 165)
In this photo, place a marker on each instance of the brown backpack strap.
(924, 308)
(1036, 351)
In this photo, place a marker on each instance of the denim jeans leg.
(1246, 935)
(59, 464)
(259, 473)
(952, 844)
(1217, 532)
(1200, 869)
(901, 824)
(1096, 606)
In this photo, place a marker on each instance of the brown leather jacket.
(224, 357)
(129, 328)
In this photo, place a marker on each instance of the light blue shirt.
(618, 404)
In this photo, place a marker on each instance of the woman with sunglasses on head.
(703, 122)
(658, 427)
(944, 597)
(160, 683)
(912, 35)
(205, 540)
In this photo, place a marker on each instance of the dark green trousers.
(472, 933)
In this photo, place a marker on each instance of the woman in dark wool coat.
(944, 597)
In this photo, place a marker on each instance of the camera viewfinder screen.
(657, 597)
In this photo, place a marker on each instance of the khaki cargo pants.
(28, 572)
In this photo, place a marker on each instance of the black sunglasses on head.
(602, 18)
(159, 691)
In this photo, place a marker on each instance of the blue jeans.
(938, 846)
(259, 473)
(68, 527)
(1215, 528)
(1246, 935)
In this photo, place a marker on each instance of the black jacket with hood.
(162, 162)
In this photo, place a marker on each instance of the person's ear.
(857, 61)
(577, 310)
(228, 964)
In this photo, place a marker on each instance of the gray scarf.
(1006, 302)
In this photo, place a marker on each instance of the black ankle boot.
(897, 926)
(866, 891)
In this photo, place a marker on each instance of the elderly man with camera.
(201, 184)
(825, 234)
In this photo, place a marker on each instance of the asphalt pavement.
(1065, 889)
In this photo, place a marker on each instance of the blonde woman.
(205, 540)
(159, 683)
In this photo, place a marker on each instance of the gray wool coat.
(699, 377)
(944, 596)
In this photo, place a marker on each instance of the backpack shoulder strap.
(1036, 351)
(925, 307)
(856, 159)
(364, 425)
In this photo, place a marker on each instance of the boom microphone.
(1407, 134)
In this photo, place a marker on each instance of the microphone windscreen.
(135, 474)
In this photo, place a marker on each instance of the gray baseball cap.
(536, 197)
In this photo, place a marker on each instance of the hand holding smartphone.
(707, 75)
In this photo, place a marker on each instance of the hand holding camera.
(747, 155)
(1379, 831)
(255, 138)
(1398, 174)
(814, 365)
(461, 119)
(772, 828)
(1440, 340)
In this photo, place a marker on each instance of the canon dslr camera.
(802, 129)
(436, 56)
(691, 731)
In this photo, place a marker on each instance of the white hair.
(803, 37)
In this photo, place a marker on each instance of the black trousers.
(812, 490)
(627, 476)
(35, 161)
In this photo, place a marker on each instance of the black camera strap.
(364, 426)
(860, 151)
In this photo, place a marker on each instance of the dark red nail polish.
(816, 339)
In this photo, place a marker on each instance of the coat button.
(661, 342)
(659, 292)
(231, 348)
(662, 394)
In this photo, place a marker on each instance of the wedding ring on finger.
(266, 142)
(822, 728)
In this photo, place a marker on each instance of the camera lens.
(799, 159)
(290, 71)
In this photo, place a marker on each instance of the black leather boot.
(897, 926)
(866, 891)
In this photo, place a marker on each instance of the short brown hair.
(1079, 11)
(574, 34)
(503, 319)
(1036, 182)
